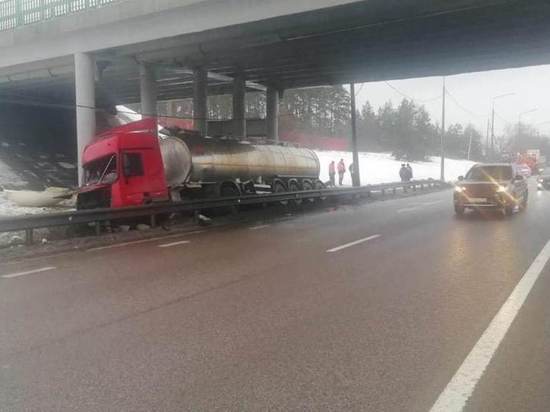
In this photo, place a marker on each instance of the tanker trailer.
(132, 165)
(226, 167)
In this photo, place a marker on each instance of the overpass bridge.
(96, 53)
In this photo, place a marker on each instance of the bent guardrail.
(28, 223)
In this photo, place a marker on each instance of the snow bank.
(8, 177)
(383, 168)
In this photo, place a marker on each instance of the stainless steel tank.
(176, 158)
(215, 160)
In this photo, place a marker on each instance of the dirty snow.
(383, 168)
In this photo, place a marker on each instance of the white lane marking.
(462, 385)
(258, 227)
(137, 242)
(28, 272)
(181, 242)
(338, 248)
(418, 206)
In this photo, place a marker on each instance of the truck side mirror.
(460, 178)
(518, 178)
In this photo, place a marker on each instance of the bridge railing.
(16, 13)
(97, 216)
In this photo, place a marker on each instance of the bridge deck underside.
(364, 41)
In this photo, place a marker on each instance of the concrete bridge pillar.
(148, 90)
(272, 113)
(200, 100)
(239, 96)
(84, 69)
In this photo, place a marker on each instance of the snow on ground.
(7, 176)
(383, 168)
(8, 209)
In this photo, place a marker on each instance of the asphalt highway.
(388, 306)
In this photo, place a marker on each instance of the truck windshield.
(489, 173)
(102, 170)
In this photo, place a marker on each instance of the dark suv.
(495, 186)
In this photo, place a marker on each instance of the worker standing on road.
(332, 173)
(403, 172)
(404, 175)
(409, 172)
(341, 171)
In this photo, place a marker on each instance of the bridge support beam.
(200, 100)
(239, 96)
(148, 90)
(272, 114)
(85, 70)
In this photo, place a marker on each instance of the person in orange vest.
(332, 173)
(341, 171)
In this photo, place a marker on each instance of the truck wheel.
(509, 210)
(320, 186)
(307, 185)
(279, 187)
(459, 210)
(230, 190)
(294, 187)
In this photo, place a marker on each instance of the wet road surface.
(373, 307)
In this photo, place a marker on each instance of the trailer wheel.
(320, 186)
(308, 185)
(279, 187)
(229, 189)
(293, 186)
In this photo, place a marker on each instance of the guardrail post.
(153, 221)
(97, 227)
(394, 191)
(383, 192)
(29, 237)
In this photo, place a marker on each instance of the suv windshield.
(101, 170)
(489, 173)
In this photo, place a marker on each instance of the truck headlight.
(502, 189)
(459, 189)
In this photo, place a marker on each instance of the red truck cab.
(123, 167)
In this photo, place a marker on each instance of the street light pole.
(355, 176)
(493, 131)
(442, 177)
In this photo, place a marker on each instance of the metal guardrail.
(15, 13)
(28, 223)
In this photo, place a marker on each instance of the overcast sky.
(473, 93)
